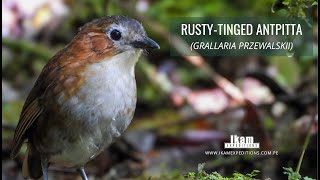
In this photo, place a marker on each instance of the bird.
(84, 98)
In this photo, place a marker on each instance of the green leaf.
(308, 178)
(291, 174)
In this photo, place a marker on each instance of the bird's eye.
(115, 35)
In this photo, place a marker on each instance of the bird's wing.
(28, 115)
(33, 108)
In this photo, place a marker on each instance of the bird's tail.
(31, 167)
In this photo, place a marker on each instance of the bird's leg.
(82, 173)
(44, 166)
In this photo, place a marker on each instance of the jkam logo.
(239, 142)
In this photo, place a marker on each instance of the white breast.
(105, 104)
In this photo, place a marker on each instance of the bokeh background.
(186, 105)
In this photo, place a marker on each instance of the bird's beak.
(145, 43)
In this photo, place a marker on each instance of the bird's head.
(112, 35)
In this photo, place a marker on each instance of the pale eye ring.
(115, 34)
